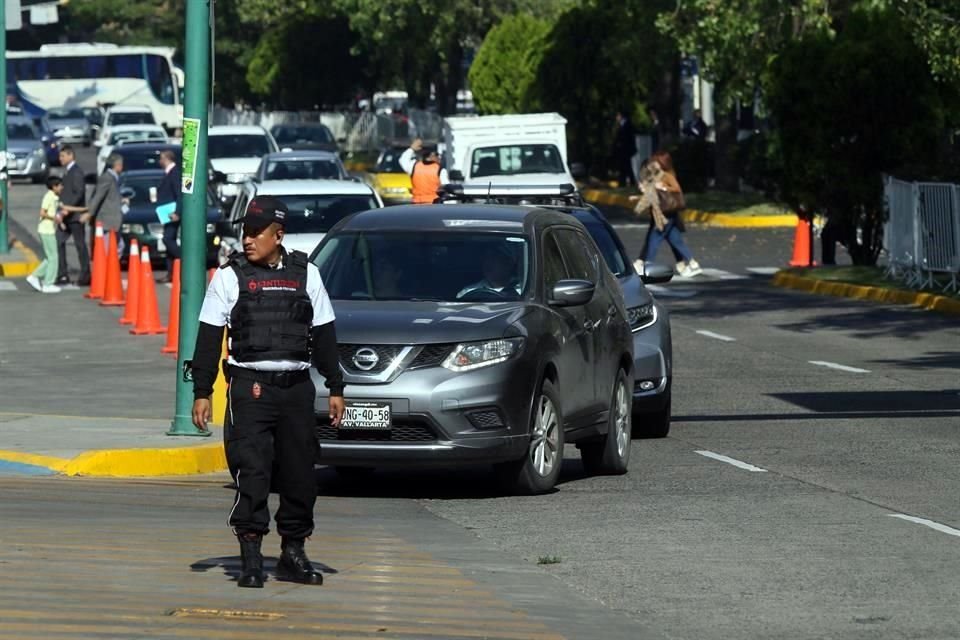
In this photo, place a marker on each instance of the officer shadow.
(230, 565)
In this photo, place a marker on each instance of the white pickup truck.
(525, 149)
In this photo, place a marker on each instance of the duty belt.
(276, 378)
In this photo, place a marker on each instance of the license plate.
(366, 416)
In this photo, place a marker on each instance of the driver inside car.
(499, 273)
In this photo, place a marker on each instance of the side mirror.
(456, 175)
(655, 273)
(572, 293)
(90, 178)
(127, 192)
(578, 170)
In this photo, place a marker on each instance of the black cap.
(264, 210)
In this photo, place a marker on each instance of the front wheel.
(539, 470)
(611, 454)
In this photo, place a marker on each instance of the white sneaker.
(50, 288)
(680, 267)
(638, 266)
(34, 282)
(689, 270)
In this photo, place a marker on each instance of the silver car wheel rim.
(545, 444)
(622, 418)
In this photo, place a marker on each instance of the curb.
(130, 463)
(694, 216)
(929, 301)
(23, 268)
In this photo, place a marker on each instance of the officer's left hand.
(337, 409)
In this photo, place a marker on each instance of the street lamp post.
(194, 215)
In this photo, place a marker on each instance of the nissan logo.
(365, 359)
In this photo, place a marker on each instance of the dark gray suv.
(476, 334)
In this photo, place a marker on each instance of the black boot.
(252, 575)
(294, 565)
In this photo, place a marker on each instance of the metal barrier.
(922, 233)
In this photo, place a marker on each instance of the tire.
(655, 424)
(611, 454)
(539, 469)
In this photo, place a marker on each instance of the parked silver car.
(301, 165)
(476, 334)
(70, 126)
(26, 156)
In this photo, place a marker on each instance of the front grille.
(404, 430)
(385, 354)
(431, 355)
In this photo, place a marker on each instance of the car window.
(302, 135)
(508, 160)
(302, 169)
(20, 130)
(579, 259)
(317, 213)
(609, 249)
(131, 118)
(135, 159)
(553, 268)
(390, 162)
(238, 146)
(444, 266)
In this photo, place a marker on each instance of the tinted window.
(390, 162)
(131, 118)
(553, 267)
(406, 265)
(609, 250)
(511, 160)
(140, 186)
(238, 146)
(136, 136)
(135, 159)
(316, 214)
(580, 262)
(301, 169)
(64, 114)
(20, 130)
(160, 78)
(302, 135)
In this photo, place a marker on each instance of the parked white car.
(314, 206)
(121, 115)
(236, 152)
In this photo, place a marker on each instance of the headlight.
(132, 228)
(473, 355)
(642, 317)
(236, 177)
(211, 228)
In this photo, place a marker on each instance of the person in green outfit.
(43, 278)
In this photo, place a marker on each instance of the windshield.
(443, 266)
(301, 169)
(140, 188)
(316, 213)
(20, 130)
(238, 146)
(131, 118)
(511, 160)
(302, 135)
(390, 162)
(66, 114)
(137, 159)
(136, 136)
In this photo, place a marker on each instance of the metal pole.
(4, 237)
(194, 216)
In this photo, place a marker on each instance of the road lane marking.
(838, 367)
(720, 274)
(733, 461)
(716, 336)
(942, 528)
(6, 285)
(764, 271)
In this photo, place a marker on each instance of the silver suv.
(476, 334)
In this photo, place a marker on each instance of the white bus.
(88, 75)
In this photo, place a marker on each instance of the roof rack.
(534, 194)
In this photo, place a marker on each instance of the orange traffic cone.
(803, 244)
(98, 275)
(133, 284)
(173, 323)
(113, 285)
(148, 317)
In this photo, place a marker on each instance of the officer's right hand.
(201, 413)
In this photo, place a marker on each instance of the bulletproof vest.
(273, 314)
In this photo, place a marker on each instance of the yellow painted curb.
(23, 268)
(128, 463)
(929, 301)
(694, 216)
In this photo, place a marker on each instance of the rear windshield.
(131, 118)
(301, 169)
(238, 146)
(441, 266)
(316, 214)
(390, 162)
(302, 135)
(517, 159)
(136, 159)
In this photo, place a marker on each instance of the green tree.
(507, 63)
(849, 108)
(935, 25)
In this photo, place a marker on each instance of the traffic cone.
(173, 322)
(133, 284)
(113, 285)
(803, 244)
(98, 274)
(148, 317)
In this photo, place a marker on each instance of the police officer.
(279, 321)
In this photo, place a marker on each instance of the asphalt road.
(807, 490)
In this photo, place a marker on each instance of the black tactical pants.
(270, 428)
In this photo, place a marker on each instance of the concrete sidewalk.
(82, 396)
